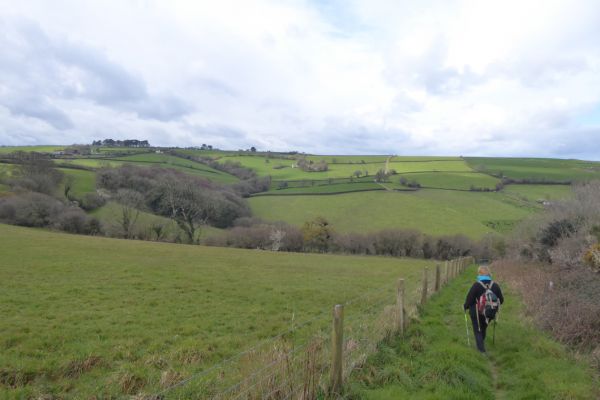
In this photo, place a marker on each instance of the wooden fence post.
(437, 277)
(337, 341)
(424, 291)
(400, 306)
(446, 279)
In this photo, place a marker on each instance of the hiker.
(475, 303)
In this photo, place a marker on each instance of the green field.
(538, 168)
(326, 189)
(378, 159)
(83, 181)
(536, 193)
(437, 212)
(39, 149)
(435, 361)
(85, 316)
(89, 162)
(152, 159)
(282, 169)
(449, 180)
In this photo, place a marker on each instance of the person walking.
(475, 303)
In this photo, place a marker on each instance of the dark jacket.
(477, 290)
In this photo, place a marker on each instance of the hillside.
(436, 195)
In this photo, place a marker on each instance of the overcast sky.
(511, 78)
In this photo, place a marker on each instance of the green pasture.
(89, 162)
(83, 181)
(534, 193)
(448, 180)
(334, 159)
(434, 360)
(437, 212)
(39, 149)
(538, 168)
(358, 186)
(152, 159)
(207, 153)
(340, 159)
(5, 170)
(180, 164)
(89, 316)
(283, 169)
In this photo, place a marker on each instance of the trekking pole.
(467, 328)
(494, 335)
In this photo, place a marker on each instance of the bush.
(565, 303)
(40, 210)
(74, 220)
(91, 201)
(35, 172)
(255, 234)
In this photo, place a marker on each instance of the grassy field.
(449, 180)
(90, 162)
(160, 160)
(435, 362)
(378, 159)
(539, 192)
(326, 189)
(39, 149)
(86, 316)
(431, 211)
(538, 168)
(83, 181)
(282, 168)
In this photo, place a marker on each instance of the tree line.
(319, 236)
(121, 143)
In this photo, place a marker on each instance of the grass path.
(435, 362)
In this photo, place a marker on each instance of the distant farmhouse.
(121, 143)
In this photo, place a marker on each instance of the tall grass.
(434, 361)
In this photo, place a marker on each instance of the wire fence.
(297, 363)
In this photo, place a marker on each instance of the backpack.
(488, 303)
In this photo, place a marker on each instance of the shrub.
(74, 220)
(40, 210)
(91, 201)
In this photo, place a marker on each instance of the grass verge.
(434, 361)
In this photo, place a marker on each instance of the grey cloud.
(429, 72)
(41, 109)
(217, 131)
(50, 67)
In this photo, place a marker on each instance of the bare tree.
(187, 204)
(131, 202)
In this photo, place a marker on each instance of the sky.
(488, 78)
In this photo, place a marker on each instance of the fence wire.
(284, 367)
